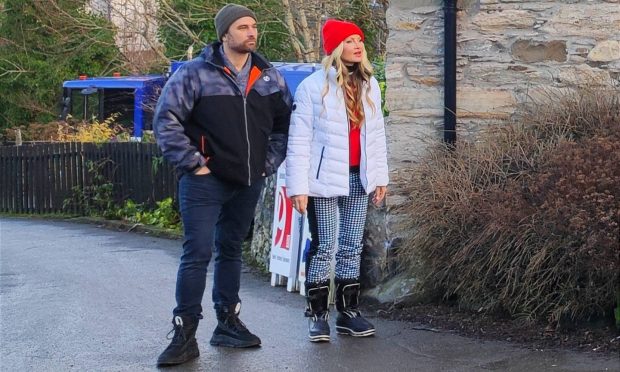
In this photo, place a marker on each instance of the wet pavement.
(78, 297)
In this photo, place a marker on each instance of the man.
(222, 120)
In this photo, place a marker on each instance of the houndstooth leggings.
(323, 224)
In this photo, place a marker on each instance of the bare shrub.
(73, 131)
(525, 219)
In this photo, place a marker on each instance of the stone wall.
(508, 51)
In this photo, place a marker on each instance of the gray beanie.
(228, 15)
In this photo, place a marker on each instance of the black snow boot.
(183, 346)
(317, 297)
(230, 330)
(350, 321)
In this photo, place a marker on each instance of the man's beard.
(244, 47)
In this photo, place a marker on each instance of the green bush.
(96, 198)
(525, 219)
(43, 44)
(165, 215)
(379, 67)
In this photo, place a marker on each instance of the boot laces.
(233, 321)
(324, 316)
(352, 313)
(177, 329)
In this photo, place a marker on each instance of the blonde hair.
(351, 80)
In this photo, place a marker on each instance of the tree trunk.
(290, 24)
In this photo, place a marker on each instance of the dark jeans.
(216, 215)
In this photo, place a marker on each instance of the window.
(121, 102)
(85, 104)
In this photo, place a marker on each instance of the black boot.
(318, 311)
(350, 321)
(230, 330)
(183, 346)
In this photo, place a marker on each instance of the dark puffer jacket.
(202, 117)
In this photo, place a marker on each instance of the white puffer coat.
(317, 159)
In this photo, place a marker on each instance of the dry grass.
(525, 219)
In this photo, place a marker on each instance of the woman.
(336, 157)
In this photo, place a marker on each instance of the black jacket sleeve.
(279, 135)
(173, 110)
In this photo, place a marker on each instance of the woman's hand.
(300, 203)
(379, 195)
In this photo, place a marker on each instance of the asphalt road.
(78, 297)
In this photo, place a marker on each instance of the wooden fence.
(39, 177)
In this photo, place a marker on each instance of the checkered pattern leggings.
(323, 223)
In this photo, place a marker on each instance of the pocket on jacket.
(318, 170)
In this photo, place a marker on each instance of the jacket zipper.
(245, 116)
(320, 162)
(348, 145)
(364, 149)
(247, 137)
(245, 119)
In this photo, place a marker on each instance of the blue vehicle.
(133, 98)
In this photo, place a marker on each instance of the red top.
(355, 147)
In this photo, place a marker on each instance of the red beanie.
(335, 31)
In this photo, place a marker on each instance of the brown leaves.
(526, 218)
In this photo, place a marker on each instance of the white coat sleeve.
(382, 163)
(299, 143)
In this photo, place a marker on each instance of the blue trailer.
(133, 98)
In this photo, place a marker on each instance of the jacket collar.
(331, 75)
(211, 54)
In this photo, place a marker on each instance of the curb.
(127, 226)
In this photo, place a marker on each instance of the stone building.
(136, 25)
